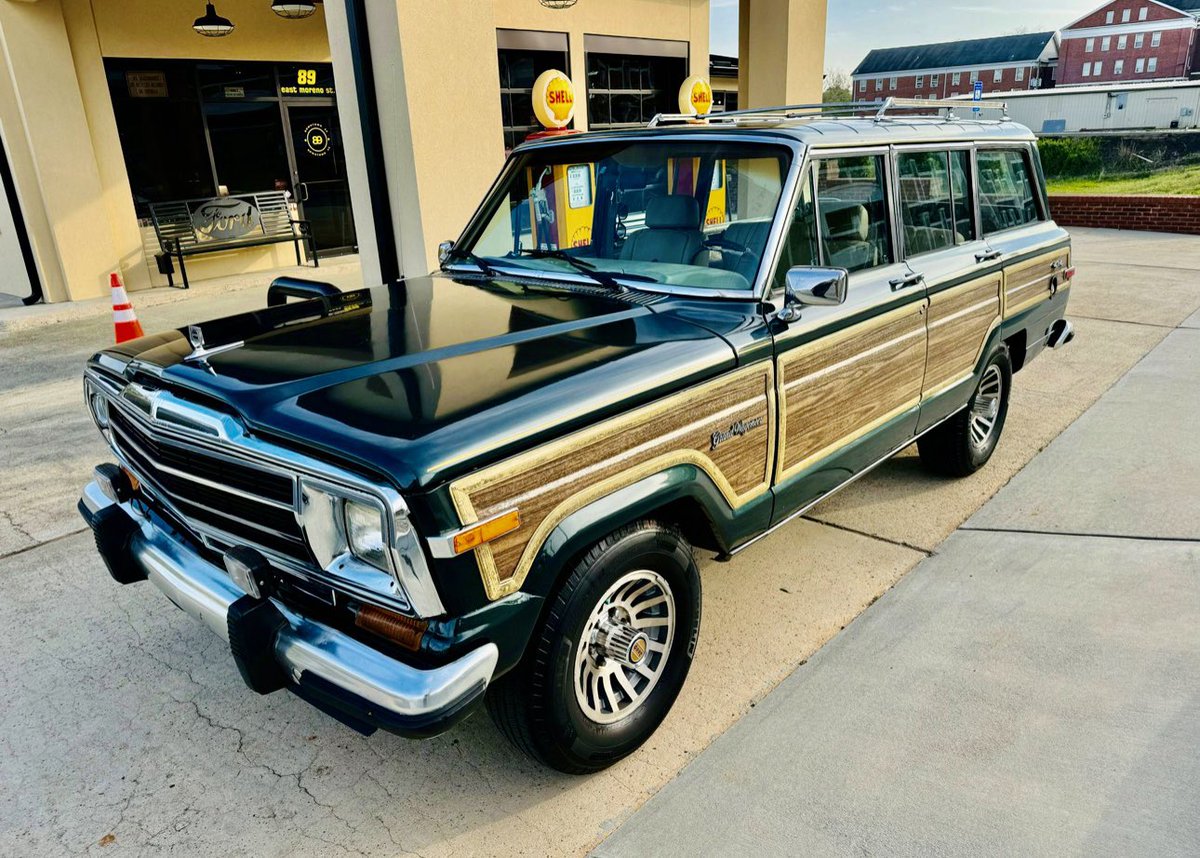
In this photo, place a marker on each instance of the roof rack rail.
(948, 104)
(783, 113)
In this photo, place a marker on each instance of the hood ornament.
(201, 351)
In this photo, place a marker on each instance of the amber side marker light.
(405, 631)
(486, 531)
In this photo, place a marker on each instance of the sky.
(856, 26)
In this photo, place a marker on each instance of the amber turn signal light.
(486, 531)
(405, 631)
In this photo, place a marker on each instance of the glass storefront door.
(319, 175)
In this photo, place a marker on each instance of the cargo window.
(1006, 190)
(852, 212)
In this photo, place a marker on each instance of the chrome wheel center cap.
(621, 643)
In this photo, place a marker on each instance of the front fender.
(684, 488)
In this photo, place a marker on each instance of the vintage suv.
(491, 479)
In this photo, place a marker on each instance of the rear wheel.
(610, 656)
(964, 443)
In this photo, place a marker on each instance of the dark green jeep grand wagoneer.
(488, 483)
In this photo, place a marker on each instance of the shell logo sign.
(695, 96)
(553, 99)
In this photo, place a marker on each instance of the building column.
(46, 131)
(781, 47)
(430, 110)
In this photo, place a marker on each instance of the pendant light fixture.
(294, 8)
(212, 24)
(558, 4)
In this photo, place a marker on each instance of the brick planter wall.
(1151, 213)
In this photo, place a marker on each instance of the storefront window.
(195, 129)
(161, 131)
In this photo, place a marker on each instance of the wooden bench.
(190, 227)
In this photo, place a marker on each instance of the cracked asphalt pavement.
(125, 725)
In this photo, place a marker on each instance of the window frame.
(1126, 14)
(1139, 66)
(1089, 46)
(1106, 43)
(1032, 164)
(972, 184)
(809, 175)
(1119, 67)
(1156, 39)
(1139, 40)
(1151, 65)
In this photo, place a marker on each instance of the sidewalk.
(342, 271)
(1032, 688)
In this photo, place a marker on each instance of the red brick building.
(1129, 40)
(1003, 63)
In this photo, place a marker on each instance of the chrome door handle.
(988, 256)
(904, 282)
(1058, 265)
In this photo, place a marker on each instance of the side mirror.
(813, 287)
(444, 251)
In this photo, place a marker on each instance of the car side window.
(1006, 190)
(926, 205)
(852, 212)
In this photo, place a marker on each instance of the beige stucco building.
(111, 109)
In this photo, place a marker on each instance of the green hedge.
(1071, 156)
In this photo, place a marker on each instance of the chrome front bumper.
(409, 698)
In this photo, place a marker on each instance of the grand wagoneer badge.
(738, 429)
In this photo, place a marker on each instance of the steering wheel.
(720, 242)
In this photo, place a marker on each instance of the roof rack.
(862, 109)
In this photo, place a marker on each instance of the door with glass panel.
(962, 276)
(322, 188)
(848, 377)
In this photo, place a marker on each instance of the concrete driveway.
(1032, 689)
(126, 725)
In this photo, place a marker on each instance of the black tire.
(954, 448)
(535, 705)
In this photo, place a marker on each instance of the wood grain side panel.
(835, 388)
(959, 322)
(1028, 282)
(549, 483)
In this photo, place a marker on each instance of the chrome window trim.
(231, 442)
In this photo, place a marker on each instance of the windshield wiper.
(604, 278)
(579, 265)
(466, 255)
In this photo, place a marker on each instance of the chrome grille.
(243, 501)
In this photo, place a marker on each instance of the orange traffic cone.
(125, 323)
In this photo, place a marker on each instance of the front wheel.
(610, 656)
(963, 444)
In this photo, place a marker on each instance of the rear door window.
(1006, 190)
(926, 204)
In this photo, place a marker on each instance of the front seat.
(672, 232)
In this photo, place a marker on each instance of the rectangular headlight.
(364, 533)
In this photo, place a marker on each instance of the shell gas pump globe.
(561, 205)
(695, 96)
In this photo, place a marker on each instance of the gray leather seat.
(672, 232)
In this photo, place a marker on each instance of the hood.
(431, 377)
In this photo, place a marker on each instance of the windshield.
(665, 212)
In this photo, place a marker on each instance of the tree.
(837, 86)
